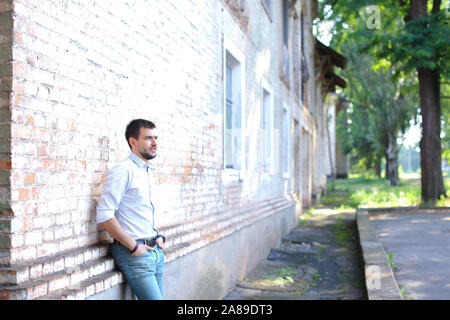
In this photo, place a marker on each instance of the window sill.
(232, 175)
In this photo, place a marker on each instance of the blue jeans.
(144, 273)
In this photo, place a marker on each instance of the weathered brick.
(47, 249)
(21, 224)
(114, 280)
(42, 222)
(81, 295)
(37, 291)
(22, 254)
(58, 283)
(87, 256)
(90, 290)
(48, 235)
(47, 268)
(33, 238)
(99, 287)
(30, 178)
(17, 240)
(67, 244)
(69, 261)
(36, 271)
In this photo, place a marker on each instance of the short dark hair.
(134, 127)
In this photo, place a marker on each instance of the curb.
(380, 280)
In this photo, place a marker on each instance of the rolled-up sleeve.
(113, 191)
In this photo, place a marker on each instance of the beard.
(148, 156)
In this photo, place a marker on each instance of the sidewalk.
(341, 255)
(318, 260)
(419, 240)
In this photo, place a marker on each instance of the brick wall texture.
(73, 73)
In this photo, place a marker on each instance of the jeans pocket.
(141, 255)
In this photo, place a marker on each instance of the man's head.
(142, 138)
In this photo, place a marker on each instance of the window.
(233, 110)
(285, 38)
(304, 66)
(296, 63)
(267, 130)
(286, 143)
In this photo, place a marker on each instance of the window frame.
(265, 87)
(232, 174)
(286, 135)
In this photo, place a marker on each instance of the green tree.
(382, 109)
(413, 37)
(356, 138)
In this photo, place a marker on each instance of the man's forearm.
(115, 229)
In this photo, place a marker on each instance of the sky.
(412, 136)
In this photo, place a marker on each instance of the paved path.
(319, 259)
(420, 245)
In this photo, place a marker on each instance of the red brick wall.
(80, 73)
(73, 74)
(6, 84)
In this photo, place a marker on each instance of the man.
(126, 211)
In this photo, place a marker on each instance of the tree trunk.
(387, 170)
(333, 171)
(430, 143)
(392, 162)
(378, 168)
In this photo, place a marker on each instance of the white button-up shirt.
(127, 196)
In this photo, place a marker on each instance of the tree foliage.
(381, 105)
(420, 43)
(410, 45)
(380, 111)
(412, 38)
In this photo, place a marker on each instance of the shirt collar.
(141, 163)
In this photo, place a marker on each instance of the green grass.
(373, 193)
(391, 263)
(315, 279)
(403, 292)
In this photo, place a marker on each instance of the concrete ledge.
(380, 280)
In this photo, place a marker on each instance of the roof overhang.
(325, 59)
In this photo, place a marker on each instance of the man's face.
(146, 145)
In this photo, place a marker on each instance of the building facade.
(232, 87)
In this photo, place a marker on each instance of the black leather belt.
(147, 242)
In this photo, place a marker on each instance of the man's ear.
(132, 142)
